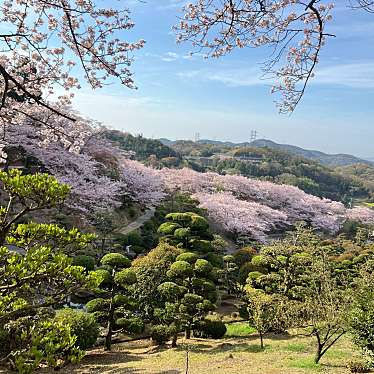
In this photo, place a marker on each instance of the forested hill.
(151, 150)
(324, 158)
(332, 160)
(261, 163)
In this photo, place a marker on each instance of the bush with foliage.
(210, 328)
(87, 262)
(46, 342)
(187, 230)
(160, 334)
(82, 325)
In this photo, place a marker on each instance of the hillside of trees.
(275, 165)
(148, 150)
(363, 173)
(211, 235)
(264, 163)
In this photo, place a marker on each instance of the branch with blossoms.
(48, 41)
(294, 30)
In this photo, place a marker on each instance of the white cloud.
(170, 56)
(354, 75)
(172, 4)
(229, 77)
(358, 75)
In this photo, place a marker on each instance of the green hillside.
(275, 165)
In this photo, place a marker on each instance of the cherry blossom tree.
(47, 44)
(143, 183)
(69, 162)
(241, 217)
(296, 31)
(361, 214)
(77, 154)
(254, 207)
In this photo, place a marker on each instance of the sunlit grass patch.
(304, 363)
(296, 347)
(239, 329)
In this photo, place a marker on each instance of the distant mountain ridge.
(333, 160)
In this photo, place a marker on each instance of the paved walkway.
(134, 225)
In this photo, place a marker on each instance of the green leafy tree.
(325, 306)
(263, 311)
(115, 306)
(150, 272)
(361, 318)
(189, 295)
(25, 194)
(229, 275)
(301, 270)
(35, 270)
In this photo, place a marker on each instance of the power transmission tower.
(253, 135)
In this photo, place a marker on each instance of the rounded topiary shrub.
(213, 329)
(132, 325)
(125, 277)
(83, 325)
(120, 300)
(115, 260)
(87, 262)
(169, 290)
(97, 305)
(254, 275)
(105, 275)
(244, 255)
(182, 233)
(137, 249)
(189, 257)
(160, 334)
(202, 246)
(199, 223)
(215, 259)
(180, 269)
(168, 228)
(203, 267)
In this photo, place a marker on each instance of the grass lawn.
(283, 354)
(239, 329)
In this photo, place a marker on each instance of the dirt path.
(134, 225)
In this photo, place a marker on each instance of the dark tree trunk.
(261, 339)
(187, 333)
(108, 338)
(319, 354)
(174, 340)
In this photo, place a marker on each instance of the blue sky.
(224, 99)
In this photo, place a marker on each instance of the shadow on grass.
(330, 366)
(280, 336)
(223, 347)
(108, 362)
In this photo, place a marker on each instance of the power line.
(253, 135)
